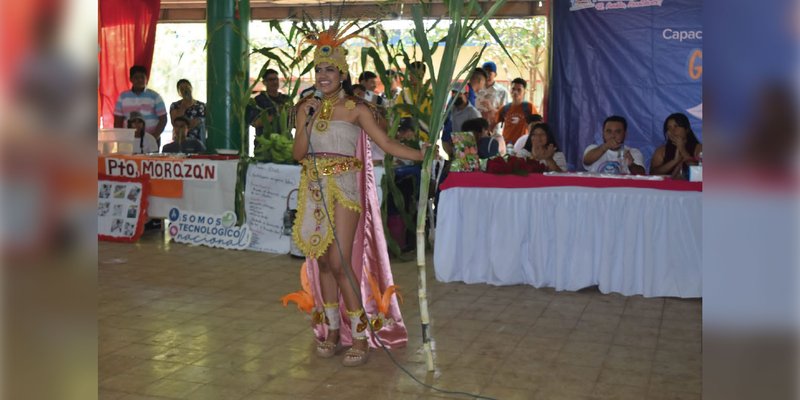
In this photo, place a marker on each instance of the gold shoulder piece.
(350, 104)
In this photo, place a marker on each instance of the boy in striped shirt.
(142, 100)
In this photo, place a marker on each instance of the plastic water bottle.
(509, 149)
(623, 166)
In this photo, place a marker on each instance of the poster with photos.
(121, 207)
(465, 152)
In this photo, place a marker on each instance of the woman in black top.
(681, 148)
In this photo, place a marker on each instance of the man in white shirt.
(370, 82)
(493, 97)
(613, 157)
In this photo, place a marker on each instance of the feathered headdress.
(329, 43)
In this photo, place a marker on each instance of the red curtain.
(127, 35)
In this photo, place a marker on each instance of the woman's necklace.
(327, 110)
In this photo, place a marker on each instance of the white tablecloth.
(625, 240)
(211, 197)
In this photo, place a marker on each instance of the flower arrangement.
(514, 165)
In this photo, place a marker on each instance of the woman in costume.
(337, 182)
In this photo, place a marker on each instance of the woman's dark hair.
(691, 139)
(347, 85)
(551, 138)
(178, 85)
(359, 86)
(533, 118)
(476, 126)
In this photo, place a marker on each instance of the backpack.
(527, 108)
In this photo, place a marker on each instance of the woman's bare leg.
(346, 221)
(346, 224)
(330, 297)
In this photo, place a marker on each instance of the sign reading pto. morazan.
(208, 230)
(189, 170)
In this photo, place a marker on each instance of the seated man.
(182, 143)
(613, 157)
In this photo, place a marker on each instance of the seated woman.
(145, 143)
(488, 145)
(541, 145)
(681, 149)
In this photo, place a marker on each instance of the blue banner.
(642, 60)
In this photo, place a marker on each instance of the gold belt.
(330, 165)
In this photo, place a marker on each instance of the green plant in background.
(386, 57)
(466, 17)
(276, 147)
(293, 62)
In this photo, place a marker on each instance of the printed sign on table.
(165, 168)
(266, 192)
(209, 230)
(121, 207)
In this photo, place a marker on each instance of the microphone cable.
(349, 273)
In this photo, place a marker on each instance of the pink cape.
(369, 249)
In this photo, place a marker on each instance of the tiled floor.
(196, 323)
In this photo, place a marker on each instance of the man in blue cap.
(493, 97)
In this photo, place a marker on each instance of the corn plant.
(466, 17)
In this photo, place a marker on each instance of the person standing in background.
(144, 101)
(193, 110)
(515, 115)
(264, 110)
(492, 97)
(391, 94)
(369, 80)
(477, 81)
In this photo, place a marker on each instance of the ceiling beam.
(195, 11)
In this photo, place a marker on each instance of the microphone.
(318, 96)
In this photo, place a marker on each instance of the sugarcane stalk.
(459, 32)
(422, 209)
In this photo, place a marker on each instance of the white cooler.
(116, 141)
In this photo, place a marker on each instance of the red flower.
(536, 167)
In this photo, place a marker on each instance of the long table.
(626, 236)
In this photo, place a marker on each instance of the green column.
(227, 74)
